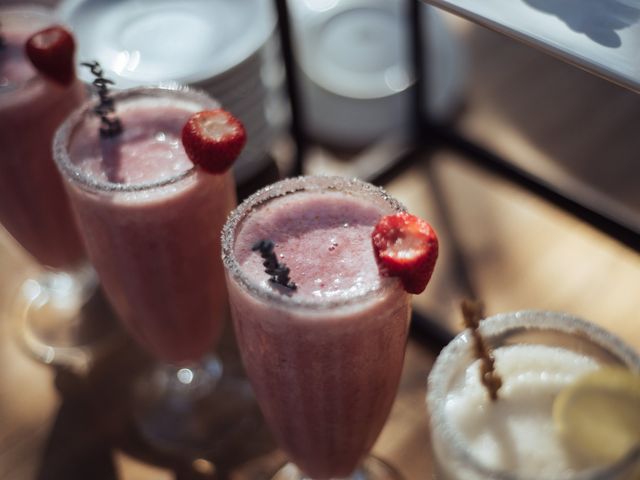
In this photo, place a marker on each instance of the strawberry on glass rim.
(406, 247)
(51, 51)
(213, 139)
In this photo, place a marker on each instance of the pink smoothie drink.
(151, 220)
(34, 207)
(324, 359)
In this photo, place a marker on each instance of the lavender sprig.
(3, 42)
(278, 272)
(110, 125)
(473, 312)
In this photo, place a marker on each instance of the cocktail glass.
(325, 369)
(151, 222)
(34, 207)
(514, 438)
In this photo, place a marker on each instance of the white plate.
(251, 88)
(255, 154)
(356, 75)
(244, 72)
(189, 41)
(356, 49)
(251, 101)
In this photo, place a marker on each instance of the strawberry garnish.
(51, 51)
(213, 139)
(406, 247)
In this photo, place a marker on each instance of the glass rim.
(503, 323)
(277, 190)
(63, 134)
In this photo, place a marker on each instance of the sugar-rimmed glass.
(153, 234)
(48, 312)
(452, 457)
(325, 371)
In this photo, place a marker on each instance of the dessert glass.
(152, 230)
(315, 363)
(555, 349)
(47, 312)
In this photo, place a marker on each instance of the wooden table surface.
(517, 251)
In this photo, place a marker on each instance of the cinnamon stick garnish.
(473, 313)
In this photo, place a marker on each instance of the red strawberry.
(51, 51)
(406, 247)
(213, 139)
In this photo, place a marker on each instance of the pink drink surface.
(325, 378)
(34, 207)
(157, 250)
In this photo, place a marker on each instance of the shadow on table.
(94, 420)
(597, 19)
(73, 449)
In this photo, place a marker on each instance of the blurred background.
(352, 110)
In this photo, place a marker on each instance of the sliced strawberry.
(406, 247)
(213, 139)
(51, 51)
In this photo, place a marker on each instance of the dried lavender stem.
(278, 272)
(110, 125)
(473, 312)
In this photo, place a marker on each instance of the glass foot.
(372, 468)
(62, 319)
(194, 410)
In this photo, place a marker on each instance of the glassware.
(151, 222)
(325, 364)
(34, 207)
(228, 49)
(542, 352)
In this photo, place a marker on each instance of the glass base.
(194, 410)
(62, 319)
(372, 468)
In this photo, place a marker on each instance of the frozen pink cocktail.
(324, 359)
(34, 207)
(151, 220)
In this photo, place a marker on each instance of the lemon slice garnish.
(598, 416)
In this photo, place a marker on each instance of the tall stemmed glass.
(324, 359)
(34, 207)
(151, 222)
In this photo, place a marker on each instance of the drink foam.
(517, 433)
(324, 239)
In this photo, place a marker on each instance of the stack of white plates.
(354, 61)
(227, 47)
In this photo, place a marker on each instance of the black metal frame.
(446, 137)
